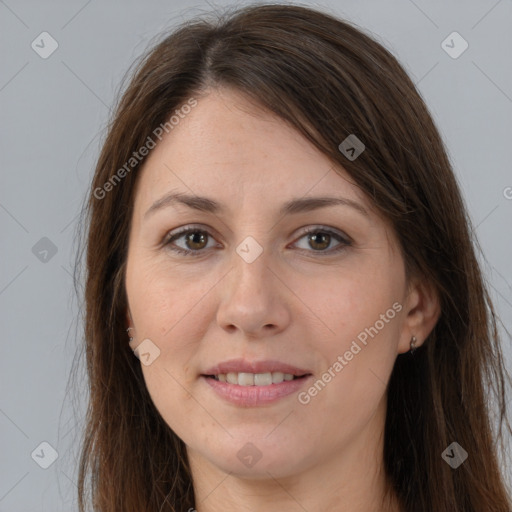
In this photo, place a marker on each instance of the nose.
(254, 299)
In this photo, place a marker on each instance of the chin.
(256, 460)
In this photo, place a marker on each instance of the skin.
(293, 303)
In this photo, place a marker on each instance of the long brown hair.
(328, 79)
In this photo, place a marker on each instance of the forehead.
(227, 147)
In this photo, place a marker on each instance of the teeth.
(262, 379)
(232, 378)
(254, 379)
(278, 377)
(245, 379)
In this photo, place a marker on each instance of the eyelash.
(344, 241)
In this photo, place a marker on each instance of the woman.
(275, 224)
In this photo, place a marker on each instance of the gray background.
(53, 113)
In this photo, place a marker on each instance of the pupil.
(192, 238)
(315, 239)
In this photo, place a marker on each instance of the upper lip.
(244, 366)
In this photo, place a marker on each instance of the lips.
(257, 383)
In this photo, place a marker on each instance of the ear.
(421, 313)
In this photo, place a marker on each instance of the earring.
(128, 331)
(413, 344)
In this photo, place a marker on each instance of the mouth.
(250, 384)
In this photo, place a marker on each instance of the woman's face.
(256, 294)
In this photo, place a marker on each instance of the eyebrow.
(294, 206)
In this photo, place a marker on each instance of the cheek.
(161, 298)
(166, 310)
(351, 300)
(363, 315)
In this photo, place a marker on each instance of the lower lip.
(249, 396)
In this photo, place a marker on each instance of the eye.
(195, 241)
(319, 238)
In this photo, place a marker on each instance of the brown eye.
(196, 240)
(319, 241)
(193, 241)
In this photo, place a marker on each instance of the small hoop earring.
(413, 344)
